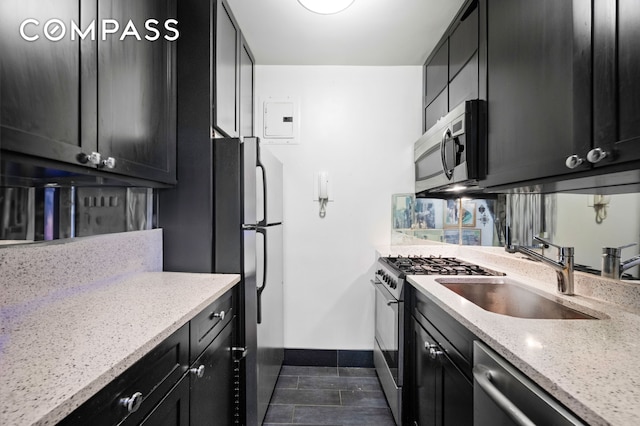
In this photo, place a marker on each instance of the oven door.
(386, 315)
(387, 354)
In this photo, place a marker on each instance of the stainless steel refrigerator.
(225, 216)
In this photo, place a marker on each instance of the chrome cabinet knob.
(434, 352)
(109, 163)
(132, 403)
(198, 372)
(596, 155)
(220, 315)
(93, 158)
(573, 161)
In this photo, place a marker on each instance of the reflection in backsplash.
(588, 223)
(466, 221)
(36, 214)
(591, 222)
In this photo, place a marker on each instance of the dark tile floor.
(333, 396)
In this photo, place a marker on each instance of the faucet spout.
(630, 263)
(563, 267)
(612, 267)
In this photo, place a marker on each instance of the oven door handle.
(384, 292)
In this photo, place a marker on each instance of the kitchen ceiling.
(369, 32)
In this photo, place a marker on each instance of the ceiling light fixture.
(326, 7)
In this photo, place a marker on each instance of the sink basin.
(502, 297)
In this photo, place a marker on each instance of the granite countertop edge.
(598, 402)
(179, 297)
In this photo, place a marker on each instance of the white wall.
(359, 124)
(576, 226)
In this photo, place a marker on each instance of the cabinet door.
(137, 92)
(437, 109)
(426, 394)
(225, 60)
(629, 82)
(173, 410)
(457, 396)
(246, 90)
(437, 72)
(538, 87)
(464, 86)
(463, 42)
(46, 85)
(212, 394)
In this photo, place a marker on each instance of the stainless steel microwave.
(452, 154)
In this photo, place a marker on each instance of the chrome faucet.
(612, 267)
(563, 266)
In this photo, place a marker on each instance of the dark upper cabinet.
(452, 71)
(226, 60)
(246, 90)
(63, 100)
(215, 75)
(437, 71)
(539, 93)
(563, 93)
(463, 41)
(47, 86)
(616, 50)
(137, 93)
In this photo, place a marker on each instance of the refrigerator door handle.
(260, 166)
(264, 273)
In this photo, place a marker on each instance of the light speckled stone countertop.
(58, 350)
(591, 366)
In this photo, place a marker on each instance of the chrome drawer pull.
(198, 372)
(218, 315)
(132, 403)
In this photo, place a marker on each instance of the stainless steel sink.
(500, 296)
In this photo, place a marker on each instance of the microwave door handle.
(443, 153)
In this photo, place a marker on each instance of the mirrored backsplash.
(466, 221)
(42, 214)
(588, 223)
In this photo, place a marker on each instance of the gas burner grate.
(436, 265)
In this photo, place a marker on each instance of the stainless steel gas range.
(389, 282)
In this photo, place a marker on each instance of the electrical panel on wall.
(281, 121)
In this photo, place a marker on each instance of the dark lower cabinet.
(166, 388)
(442, 394)
(440, 377)
(212, 395)
(173, 410)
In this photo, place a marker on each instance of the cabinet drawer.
(152, 376)
(207, 324)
